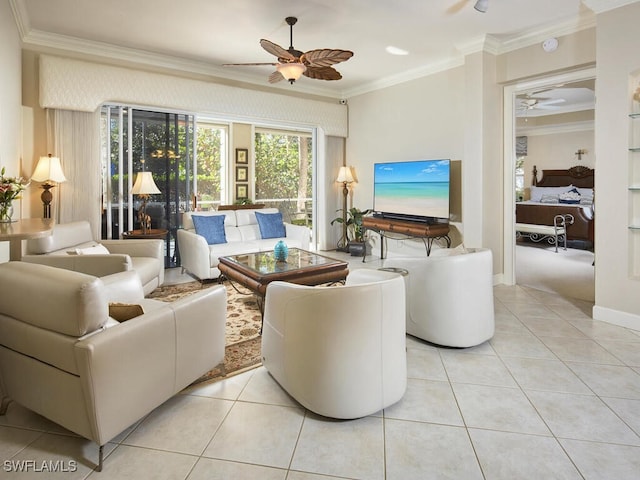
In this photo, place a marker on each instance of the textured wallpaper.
(83, 86)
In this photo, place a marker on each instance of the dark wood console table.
(427, 232)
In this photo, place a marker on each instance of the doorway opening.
(543, 117)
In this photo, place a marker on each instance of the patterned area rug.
(242, 351)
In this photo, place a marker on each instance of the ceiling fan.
(530, 103)
(292, 63)
(481, 6)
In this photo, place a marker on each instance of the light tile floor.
(554, 395)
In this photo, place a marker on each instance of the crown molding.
(40, 40)
(484, 43)
(560, 128)
(407, 76)
(600, 6)
(21, 17)
(535, 36)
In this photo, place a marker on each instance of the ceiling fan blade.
(248, 64)
(456, 7)
(276, 50)
(322, 73)
(325, 57)
(555, 101)
(275, 77)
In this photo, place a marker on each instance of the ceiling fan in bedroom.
(534, 102)
(293, 63)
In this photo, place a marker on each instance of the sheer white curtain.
(75, 138)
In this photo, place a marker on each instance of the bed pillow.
(550, 199)
(538, 192)
(271, 225)
(570, 197)
(211, 227)
(585, 192)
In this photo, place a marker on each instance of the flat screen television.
(415, 190)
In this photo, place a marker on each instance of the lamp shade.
(345, 175)
(291, 71)
(144, 184)
(48, 170)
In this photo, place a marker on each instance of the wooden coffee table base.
(326, 270)
(259, 287)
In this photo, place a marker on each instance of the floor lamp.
(345, 177)
(48, 171)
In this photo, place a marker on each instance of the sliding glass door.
(162, 143)
(284, 172)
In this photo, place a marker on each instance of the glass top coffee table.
(256, 270)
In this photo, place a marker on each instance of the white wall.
(617, 292)
(421, 119)
(557, 151)
(10, 101)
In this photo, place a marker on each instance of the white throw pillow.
(97, 249)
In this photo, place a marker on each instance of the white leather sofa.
(63, 357)
(339, 351)
(61, 248)
(242, 235)
(449, 296)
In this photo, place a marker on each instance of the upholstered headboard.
(578, 176)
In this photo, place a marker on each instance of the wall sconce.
(48, 171)
(580, 152)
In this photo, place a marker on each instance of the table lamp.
(48, 171)
(144, 187)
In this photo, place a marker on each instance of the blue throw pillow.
(271, 225)
(211, 227)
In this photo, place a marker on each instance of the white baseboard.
(616, 317)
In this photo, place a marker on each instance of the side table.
(152, 233)
(24, 229)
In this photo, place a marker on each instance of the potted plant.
(355, 230)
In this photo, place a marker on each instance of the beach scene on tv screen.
(419, 188)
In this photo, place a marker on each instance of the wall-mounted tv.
(414, 190)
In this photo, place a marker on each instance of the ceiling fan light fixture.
(482, 5)
(291, 71)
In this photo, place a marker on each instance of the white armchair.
(339, 351)
(146, 257)
(65, 358)
(449, 297)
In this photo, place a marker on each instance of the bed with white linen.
(562, 192)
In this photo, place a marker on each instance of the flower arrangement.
(10, 189)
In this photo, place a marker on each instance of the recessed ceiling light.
(396, 51)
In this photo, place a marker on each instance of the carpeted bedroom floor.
(569, 273)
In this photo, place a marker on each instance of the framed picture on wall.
(242, 155)
(242, 191)
(242, 174)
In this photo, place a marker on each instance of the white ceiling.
(201, 35)
(557, 99)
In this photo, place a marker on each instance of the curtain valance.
(70, 84)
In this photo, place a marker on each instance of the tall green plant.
(354, 218)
